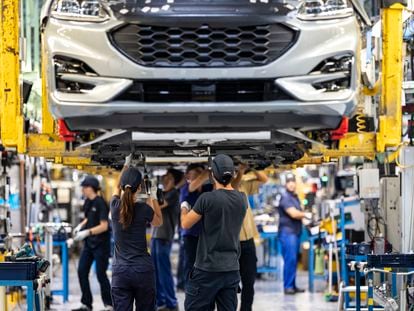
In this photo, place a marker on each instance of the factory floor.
(269, 295)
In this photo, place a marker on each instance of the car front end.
(201, 65)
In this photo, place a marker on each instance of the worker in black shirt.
(215, 277)
(94, 230)
(162, 239)
(133, 275)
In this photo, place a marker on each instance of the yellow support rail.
(390, 120)
(11, 119)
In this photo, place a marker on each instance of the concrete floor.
(269, 295)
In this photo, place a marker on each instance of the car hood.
(194, 10)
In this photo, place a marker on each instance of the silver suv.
(202, 65)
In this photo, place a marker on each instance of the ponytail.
(127, 208)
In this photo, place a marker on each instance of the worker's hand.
(77, 229)
(82, 235)
(307, 219)
(128, 160)
(243, 167)
(308, 215)
(185, 206)
(153, 192)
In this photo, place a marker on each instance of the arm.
(101, 228)
(170, 199)
(117, 191)
(157, 219)
(237, 181)
(261, 177)
(295, 213)
(80, 226)
(83, 223)
(164, 205)
(199, 181)
(189, 218)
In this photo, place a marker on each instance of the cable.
(397, 160)
(374, 229)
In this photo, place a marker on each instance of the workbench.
(34, 291)
(271, 248)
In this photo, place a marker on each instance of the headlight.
(320, 9)
(79, 10)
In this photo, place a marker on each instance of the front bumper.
(116, 73)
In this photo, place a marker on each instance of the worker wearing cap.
(197, 183)
(290, 227)
(94, 230)
(215, 277)
(133, 275)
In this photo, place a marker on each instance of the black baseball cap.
(222, 167)
(91, 181)
(132, 177)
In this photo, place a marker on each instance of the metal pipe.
(22, 193)
(403, 294)
(366, 271)
(145, 136)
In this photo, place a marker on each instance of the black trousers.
(190, 253)
(205, 289)
(181, 276)
(100, 255)
(130, 285)
(248, 270)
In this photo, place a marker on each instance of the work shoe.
(108, 308)
(83, 308)
(299, 290)
(290, 291)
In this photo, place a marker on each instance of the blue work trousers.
(130, 285)
(290, 249)
(160, 252)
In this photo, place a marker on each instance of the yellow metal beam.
(51, 147)
(390, 120)
(48, 123)
(353, 144)
(11, 119)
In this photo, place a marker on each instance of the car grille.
(163, 91)
(204, 46)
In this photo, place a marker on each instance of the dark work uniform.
(162, 238)
(133, 277)
(215, 277)
(289, 235)
(97, 248)
(190, 236)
